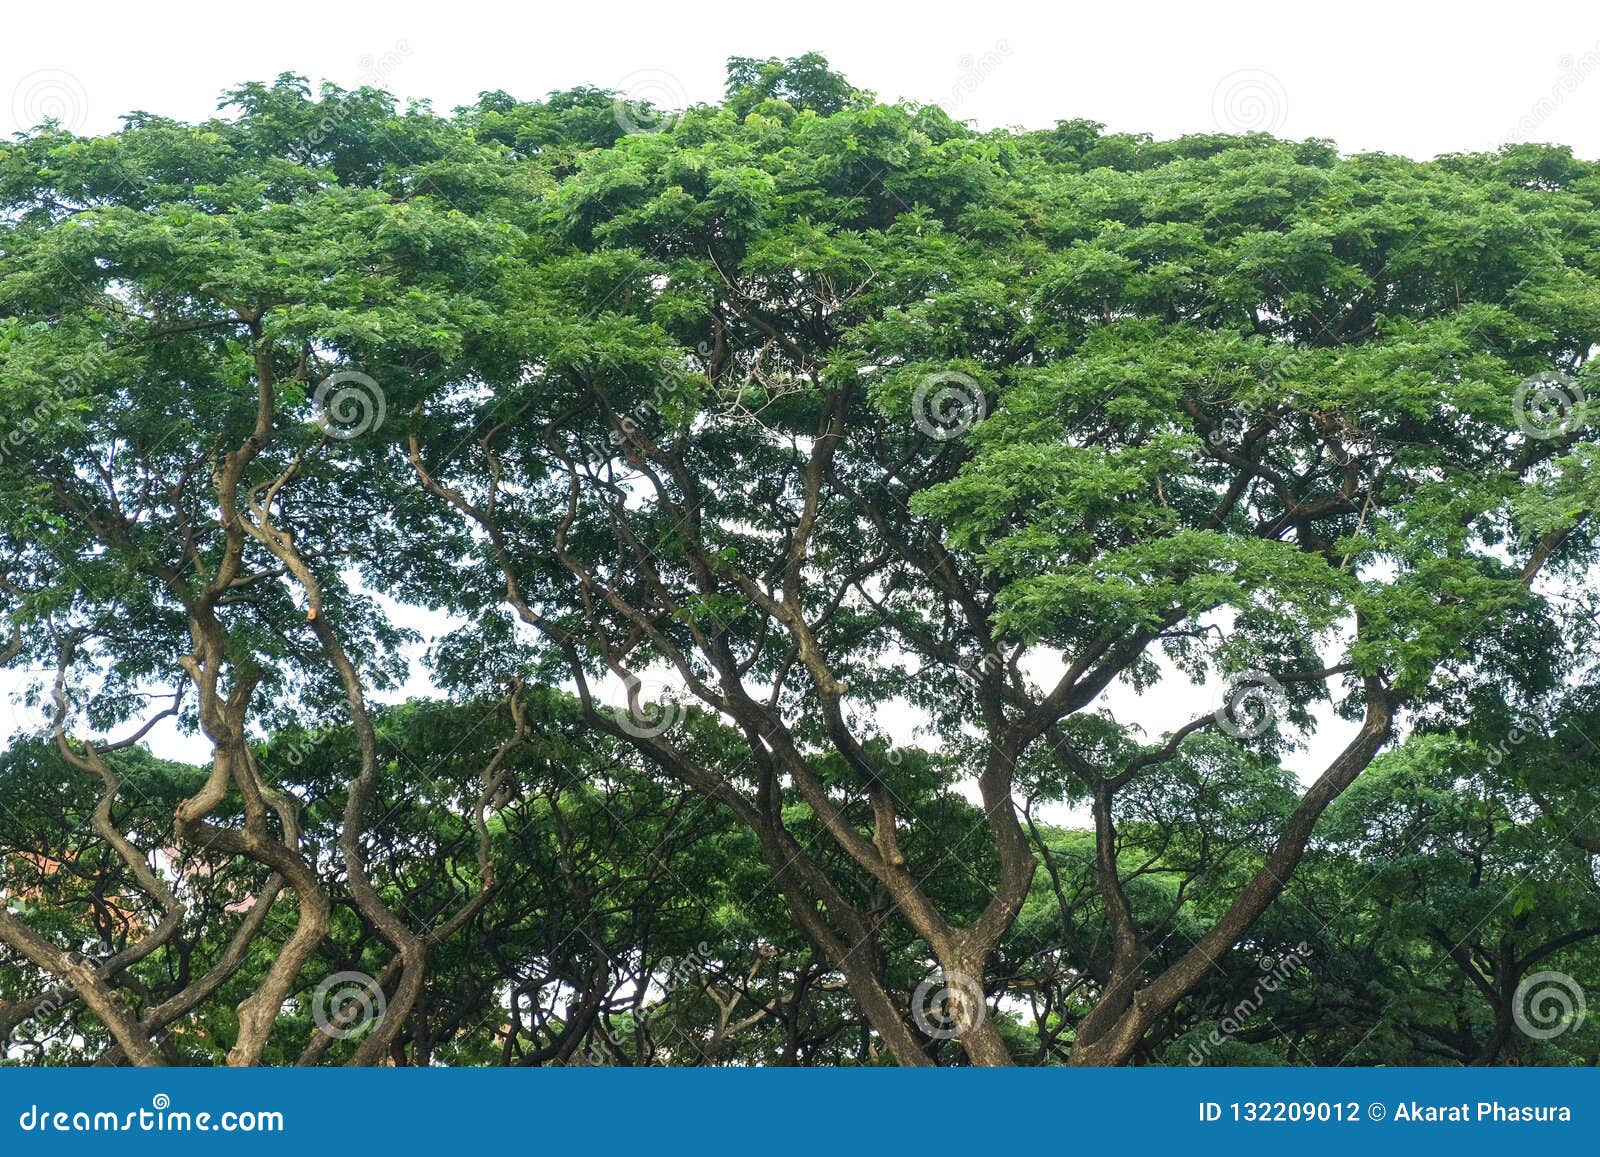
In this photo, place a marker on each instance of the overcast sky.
(1367, 75)
(1416, 79)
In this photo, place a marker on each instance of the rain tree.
(813, 409)
(762, 428)
(176, 521)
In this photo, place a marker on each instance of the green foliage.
(824, 408)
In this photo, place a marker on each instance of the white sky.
(1419, 81)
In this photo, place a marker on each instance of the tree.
(1450, 894)
(807, 413)
(174, 296)
(804, 409)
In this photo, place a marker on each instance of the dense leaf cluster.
(685, 462)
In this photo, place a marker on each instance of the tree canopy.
(716, 439)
